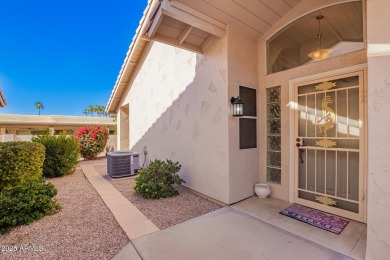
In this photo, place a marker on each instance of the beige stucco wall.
(285, 190)
(242, 68)
(179, 110)
(378, 38)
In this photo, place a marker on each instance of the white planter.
(262, 190)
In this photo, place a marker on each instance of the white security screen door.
(329, 139)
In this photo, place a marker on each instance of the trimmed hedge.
(20, 161)
(156, 180)
(62, 154)
(26, 202)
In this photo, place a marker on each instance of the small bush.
(26, 202)
(156, 180)
(92, 140)
(62, 154)
(20, 161)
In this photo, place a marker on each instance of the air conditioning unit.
(122, 164)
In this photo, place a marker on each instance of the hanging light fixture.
(238, 107)
(319, 54)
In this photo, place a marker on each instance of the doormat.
(316, 218)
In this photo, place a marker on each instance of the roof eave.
(3, 102)
(138, 43)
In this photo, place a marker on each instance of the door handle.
(301, 151)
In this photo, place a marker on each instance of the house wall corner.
(378, 206)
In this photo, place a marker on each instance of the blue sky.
(65, 54)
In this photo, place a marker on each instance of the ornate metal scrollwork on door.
(328, 116)
(326, 143)
(326, 200)
(326, 85)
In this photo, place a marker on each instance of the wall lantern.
(238, 106)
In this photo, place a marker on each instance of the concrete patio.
(225, 234)
(251, 229)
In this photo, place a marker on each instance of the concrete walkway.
(228, 234)
(223, 234)
(131, 220)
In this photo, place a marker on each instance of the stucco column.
(378, 40)
(2, 131)
(123, 128)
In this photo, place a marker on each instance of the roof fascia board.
(3, 102)
(156, 23)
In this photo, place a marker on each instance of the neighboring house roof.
(51, 121)
(2, 100)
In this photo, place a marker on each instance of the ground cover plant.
(62, 153)
(91, 140)
(25, 202)
(156, 180)
(20, 161)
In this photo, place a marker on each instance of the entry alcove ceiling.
(193, 25)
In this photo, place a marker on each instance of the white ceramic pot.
(262, 190)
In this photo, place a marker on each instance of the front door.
(329, 139)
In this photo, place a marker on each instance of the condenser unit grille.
(122, 164)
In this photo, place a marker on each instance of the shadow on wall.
(193, 130)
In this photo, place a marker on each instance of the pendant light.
(319, 54)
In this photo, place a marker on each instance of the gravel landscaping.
(165, 212)
(83, 229)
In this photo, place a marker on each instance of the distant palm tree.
(86, 112)
(99, 110)
(91, 110)
(96, 109)
(102, 111)
(39, 106)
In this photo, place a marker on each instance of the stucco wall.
(242, 67)
(378, 38)
(179, 110)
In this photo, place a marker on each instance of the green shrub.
(26, 202)
(62, 154)
(20, 161)
(156, 180)
(92, 140)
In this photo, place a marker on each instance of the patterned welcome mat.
(316, 218)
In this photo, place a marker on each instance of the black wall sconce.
(238, 107)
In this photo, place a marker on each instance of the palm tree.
(102, 111)
(96, 109)
(86, 112)
(91, 110)
(39, 106)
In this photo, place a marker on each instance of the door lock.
(299, 142)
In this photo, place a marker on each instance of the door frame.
(292, 105)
